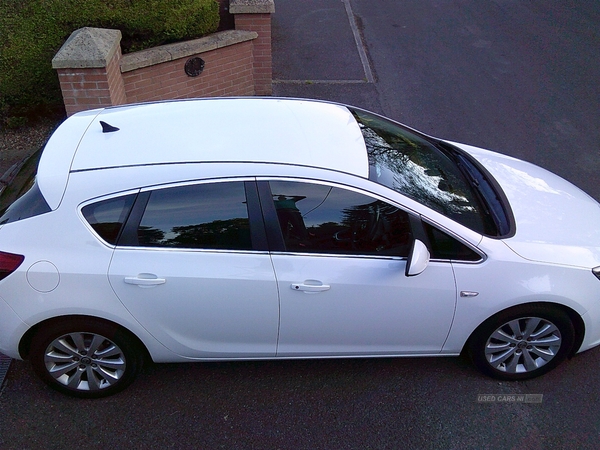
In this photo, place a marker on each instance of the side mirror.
(418, 258)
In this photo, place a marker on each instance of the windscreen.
(414, 166)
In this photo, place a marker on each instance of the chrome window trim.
(384, 258)
(195, 182)
(189, 250)
(341, 185)
(340, 255)
(384, 199)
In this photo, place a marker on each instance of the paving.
(319, 52)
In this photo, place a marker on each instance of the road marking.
(4, 365)
(319, 81)
(360, 46)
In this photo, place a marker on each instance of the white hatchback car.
(223, 229)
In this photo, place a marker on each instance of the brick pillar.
(88, 66)
(255, 15)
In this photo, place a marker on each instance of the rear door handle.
(145, 280)
(310, 287)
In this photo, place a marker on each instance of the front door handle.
(145, 280)
(310, 287)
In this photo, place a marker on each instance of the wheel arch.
(576, 320)
(27, 339)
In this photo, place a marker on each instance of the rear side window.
(20, 197)
(107, 217)
(204, 216)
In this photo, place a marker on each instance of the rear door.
(192, 266)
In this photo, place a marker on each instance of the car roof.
(266, 130)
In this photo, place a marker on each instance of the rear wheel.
(85, 358)
(523, 342)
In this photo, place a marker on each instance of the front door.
(341, 277)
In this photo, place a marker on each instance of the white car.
(265, 228)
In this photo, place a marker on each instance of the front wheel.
(85, 358)
(523, 342)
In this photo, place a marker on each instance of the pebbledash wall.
(93, 73)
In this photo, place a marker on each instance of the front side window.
(324, 219)
(443, 246)
(204, 216)
(415, 167)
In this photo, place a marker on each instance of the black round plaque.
(194, 67)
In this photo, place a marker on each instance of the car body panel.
(57, 157)
(371, 307)
(556, 221)
(212, 304)
(13, 330)
(82, 288)
(303, 133)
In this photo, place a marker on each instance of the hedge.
(32, 31)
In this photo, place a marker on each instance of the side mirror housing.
(418, 259)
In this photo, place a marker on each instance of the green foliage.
(32, 31)
(15, 122)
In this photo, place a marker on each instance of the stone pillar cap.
(87, 48)
(251, 6)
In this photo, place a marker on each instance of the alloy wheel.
(85, 361)
(523, 345)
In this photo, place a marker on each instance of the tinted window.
(415, 167)
(324, 219)
(108, 216)
(444, 246)
(21, 197)
(208, 216)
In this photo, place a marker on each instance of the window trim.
(264, 227)
(277, 244)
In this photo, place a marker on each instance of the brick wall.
(93, 87)
(228, 72)
(93, 73)
(263, 66)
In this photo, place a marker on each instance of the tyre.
(522, 342)
(85, 358)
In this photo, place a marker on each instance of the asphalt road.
(358, 404)
(517, 76)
